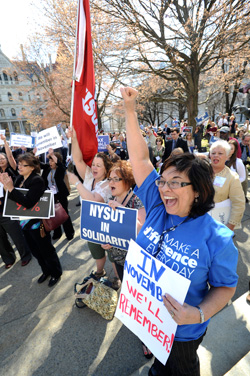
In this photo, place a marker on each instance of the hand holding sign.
(113, 204)
(181, 314)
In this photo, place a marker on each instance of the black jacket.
(59, 178)
(180, 143)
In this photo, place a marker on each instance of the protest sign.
(17, 139)
(41, 209)
(204, 117)
(33, 138)
(1, 190)
(140, 306)
(103, 141)
(221, 211)
(213, 139)
(186, 130)
(48, 138)
(2, 131)
(103, 225)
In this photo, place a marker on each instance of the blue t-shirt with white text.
(200, 249)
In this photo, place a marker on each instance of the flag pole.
(74, 69)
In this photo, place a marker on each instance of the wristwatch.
(202, 318)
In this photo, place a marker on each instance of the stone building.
(17, 91)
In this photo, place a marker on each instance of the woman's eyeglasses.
(115, 180)
(172, 183)
(23, 165)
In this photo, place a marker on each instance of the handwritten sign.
(17, 139)
(140, 306)
(41, 209)
(48, 138)
(103, 141)
(103, 225)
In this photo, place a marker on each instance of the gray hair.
(223, 144)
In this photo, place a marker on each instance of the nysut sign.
(103, 225)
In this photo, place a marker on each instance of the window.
(13, 112)
(20, 96)
(38, 97)
(16, 127)
(5, 77)
(0, 98)
(15, 76)
(10, 97)
(2, 113)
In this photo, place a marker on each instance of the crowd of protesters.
(110, 180)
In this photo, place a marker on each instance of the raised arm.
(137, 147)
(83, 191)
(77, 154)
(9, 154)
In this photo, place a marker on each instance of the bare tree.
(181, 40)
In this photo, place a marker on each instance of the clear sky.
(18, 20)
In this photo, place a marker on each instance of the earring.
(196, 199)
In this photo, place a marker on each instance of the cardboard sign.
(103, 225)
(48, 138)
(17, 139)
(204, 117)
(103, 141)
(140, 306)
(41, 209)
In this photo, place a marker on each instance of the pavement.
(43, 333)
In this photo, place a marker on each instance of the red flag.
(84, 111)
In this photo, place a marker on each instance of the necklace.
(174, 226)
(166, 232)
(125, 196)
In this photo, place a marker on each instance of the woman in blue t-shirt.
(179, 232)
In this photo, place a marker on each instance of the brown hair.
(57, 155)
(232, 160)
(177, 151)
(31, 160)
(200, 174)
(158, 139)
(123, 169)
(106, 160)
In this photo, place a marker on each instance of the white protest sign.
(2, 131)
(140, 306)
(1, 190)
(222, 211)
(17, 139)
(48, 138)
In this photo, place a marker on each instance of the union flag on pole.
(84, 110)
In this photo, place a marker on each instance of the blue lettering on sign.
(156, 274)
(144, 281)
